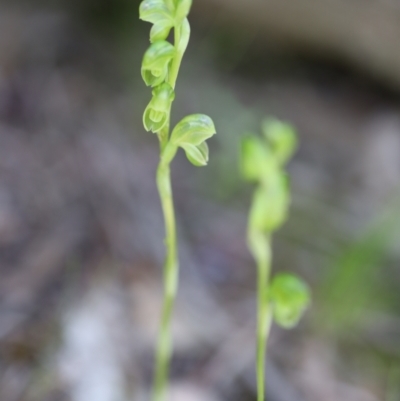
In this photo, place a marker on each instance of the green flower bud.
(155, 11)
(160, 31)
(157, 112)
(256, 161)
(190, 134)
(156, 62)
(270, 204)
(193, 130)
(182, 9)
(290, 297)
(282, 139)
(197, 155)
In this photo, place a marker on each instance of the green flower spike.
(156, 62)
(156, 115)
(160, 69)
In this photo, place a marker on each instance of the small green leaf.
(197, 155)
(256, 160)
(193, 130)
(182, 9)
(290, 297)
(156, 61)
(160, 31)
(155, 11)
(156, 115)
(281, 137)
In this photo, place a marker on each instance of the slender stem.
(176, 61)
(171, 273)
(264, 318)
(261, 249)
(181, 38)
(163, 137)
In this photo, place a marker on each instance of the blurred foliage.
(354, 287)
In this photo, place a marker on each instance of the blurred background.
(81, 230)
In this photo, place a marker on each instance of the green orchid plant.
(160, 68)
(285, 297)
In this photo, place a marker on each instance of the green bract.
(185, 35)
(157, 112)
(282, 139)
(290, 297)
(156, 61)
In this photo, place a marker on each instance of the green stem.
(171, 273)
(181, 39)
(263, 329)
(261, 249)
(163, 137)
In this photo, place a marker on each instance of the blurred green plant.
(160, 68)
(285, 297)
(353, 286)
